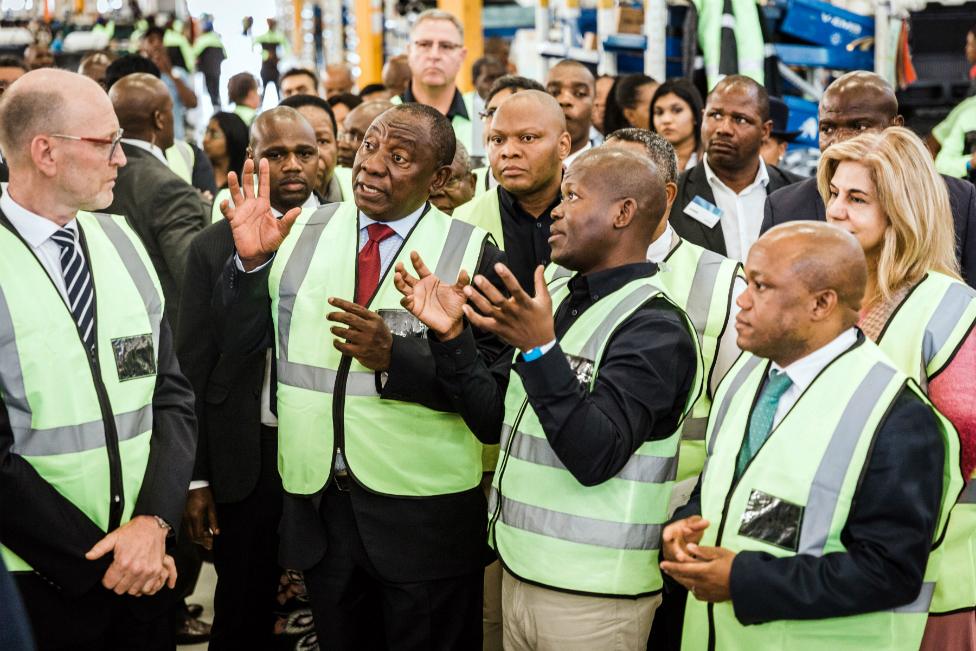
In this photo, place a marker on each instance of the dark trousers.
(669, 620)
(97, 621)
(212, 82)
(269, 75)
(246, 560)
(356, 609)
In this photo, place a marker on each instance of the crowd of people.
(568, 363)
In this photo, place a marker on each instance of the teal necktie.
(761, 422)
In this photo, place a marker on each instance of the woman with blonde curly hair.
(884, 189)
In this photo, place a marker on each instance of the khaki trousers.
(539, 619)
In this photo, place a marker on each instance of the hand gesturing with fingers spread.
(522, 320)
(257, 232)
(437, 304)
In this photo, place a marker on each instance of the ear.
(898, 121)
(671, 192)
(625, 212)
(42, 155)
(565, 145)
(767, 129)
(440, 178)
(824, 304)
(157, 120)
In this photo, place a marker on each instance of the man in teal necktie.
(763, 417)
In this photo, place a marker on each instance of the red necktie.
(369, 262)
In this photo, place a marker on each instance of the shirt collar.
(661, 247)
(457, 104)
(402, 226)
(312, 202)
(602, 283)
(805, 370)
(762, 177)
(34, 228)
(148, 146)
(510, 204)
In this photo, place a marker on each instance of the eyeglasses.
(113, 141)
(444, 46)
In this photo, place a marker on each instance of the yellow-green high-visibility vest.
(483, 180)
(547, 527)
(803, 480)
(485, 212)
(59, 427)
(328, 401)
(750, 47)
(700, 282)
(921, 338)
(460, 124)
(344, 176)
(180, 158)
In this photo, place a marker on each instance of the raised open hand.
(521, 320)
(257, 232)
(437, 304)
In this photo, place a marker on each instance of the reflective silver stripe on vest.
(827, 484)
(137, 271)
(922, 602)
(506, 432)
(945, 319)
(694, 429)
(702, 288)
(295, 271)
(640, 468)
(449, 264)
(734, 387)
(631, 302)
(78, 438)
(968, 495)
(316, 378)
(579, 529)
(15, 393)
(560, 272)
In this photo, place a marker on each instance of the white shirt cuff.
(240, 265)
(199, 483)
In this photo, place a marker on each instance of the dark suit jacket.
(165, 211)
(227, 387)
(802, 201)
(51, 533)
(407, 539)
(694, 183)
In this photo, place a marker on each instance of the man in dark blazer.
(235, 499)
(855, 103)
(165, 211)
(75, 596)
(719, 201)
(383, 571)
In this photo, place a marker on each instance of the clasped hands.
(140, 564)
(522, 321)
(704, 571)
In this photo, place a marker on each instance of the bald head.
(618, 173)
(338, 79)
(541, 107)
(856, 102)
(396, 74)
(822, 257)
(47, 100)
(144, 108)
(270, 123)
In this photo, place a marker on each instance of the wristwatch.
(162, 523)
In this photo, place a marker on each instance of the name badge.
(704, 211)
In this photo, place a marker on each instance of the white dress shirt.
(37, 232)
(728, 350)
(805, 370)
(742, 213)
(148, 146)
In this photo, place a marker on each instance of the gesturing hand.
(708, 577)
(140, 563)
(367, 337)
(522, 320)
(257, 232)
(437, 304)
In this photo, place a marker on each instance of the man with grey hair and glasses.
(435, 55)
(97, 429)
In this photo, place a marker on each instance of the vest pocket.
(772, 520)
(134, 357)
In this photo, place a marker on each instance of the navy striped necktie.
(78, 283)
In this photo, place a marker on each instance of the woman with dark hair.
(676, 113)
(628, 104)
(225, 143)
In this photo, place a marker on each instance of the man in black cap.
(774, 147)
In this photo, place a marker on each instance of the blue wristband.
(534, 354)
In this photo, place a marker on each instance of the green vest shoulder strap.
(484, 212)
(181, 158)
